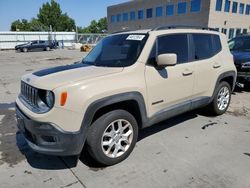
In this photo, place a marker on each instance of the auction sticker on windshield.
(135, 37)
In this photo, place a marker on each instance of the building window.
(118, 17)
(218, 5)
(195, 6)
(244, 31)
(170, 10)
(132, 15)
(231, 33)
(227, 6)
(235, 7)
(158, 11)
(238, 31)
(248, 10)
(125, 17)
(242, 6)
(224, 31)
(149, 13)
(182, 8)
(112, 19)
(140, 14)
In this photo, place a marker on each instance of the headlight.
(46, 100)
(49, 98)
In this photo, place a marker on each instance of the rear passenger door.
(207, 61)
(172, 85)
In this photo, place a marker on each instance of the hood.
(58, 76)
(241, 56)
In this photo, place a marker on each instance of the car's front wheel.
(47, 48)
(112, 137)
(25, 50)
(221, 99)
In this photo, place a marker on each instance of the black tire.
(25, 49)
(95, 136)
(213, 107)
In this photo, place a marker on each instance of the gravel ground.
(191, 150)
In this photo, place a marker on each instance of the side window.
(217, 44)
(152, 56)
(206, 46)
(177, 44)
(203, 46)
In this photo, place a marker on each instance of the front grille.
(29, 94)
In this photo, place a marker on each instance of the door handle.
(216, 66)
(187, 72)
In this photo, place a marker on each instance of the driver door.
(172, 86)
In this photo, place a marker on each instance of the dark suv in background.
(37, 45)
(240, 48)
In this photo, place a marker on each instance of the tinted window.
(177, 44)
(242, 6)
(117, 50)
(182, 8)
(227, 6)
(149, 13)
(206, 46)
(218, 5)
(125, 17)
(195, 5)
(240, 43)
(235, 7)
(231, 33)
(140, 14)
(247, 9)
(118, 17)
(112, 19)
(217, 44)
(203, 46)
(170, 10)
(132, 15)
(158, 11)
(34, 42)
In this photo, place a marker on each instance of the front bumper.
(47, 138)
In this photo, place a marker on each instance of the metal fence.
(8, 40)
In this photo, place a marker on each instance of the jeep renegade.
(129, 81)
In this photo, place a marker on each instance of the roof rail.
(182, 27)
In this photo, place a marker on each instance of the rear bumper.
(47, 138)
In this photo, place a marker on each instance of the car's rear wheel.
(221, 99)
(47, 48)
(25, 49)
(112, 137)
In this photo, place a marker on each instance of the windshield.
(117, 51)
(240, 43)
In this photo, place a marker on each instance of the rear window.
(205, 46)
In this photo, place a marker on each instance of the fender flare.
(96, 105)
(222, 76)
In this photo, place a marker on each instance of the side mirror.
(164, 60)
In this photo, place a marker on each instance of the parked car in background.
(240, 48)
(37, 45)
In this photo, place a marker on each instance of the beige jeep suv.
(129, 81)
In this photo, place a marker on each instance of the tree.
(20, 25)
(50, 14)
(95, 27)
